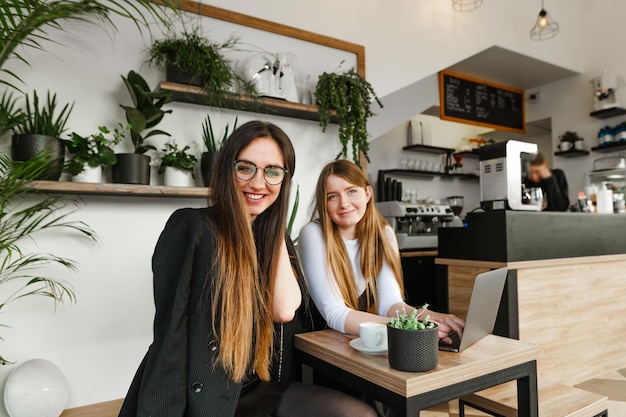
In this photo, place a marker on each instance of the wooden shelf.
(572, 153)
(196, 95)
(427, 174)
(132, 190)
(613, 147)
(428, 149)
(608, 113)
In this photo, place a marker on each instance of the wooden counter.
(573, 308)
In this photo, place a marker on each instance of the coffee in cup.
(373, 335)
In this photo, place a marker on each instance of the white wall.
(99, 342)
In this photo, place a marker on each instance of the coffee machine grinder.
(503, 168)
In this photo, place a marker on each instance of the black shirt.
(555, 191)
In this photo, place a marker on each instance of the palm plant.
(10, 115)
(26, 22)
(21, 219)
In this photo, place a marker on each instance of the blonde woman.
(350, 256)
(229, 297)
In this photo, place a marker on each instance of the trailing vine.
(349, 96)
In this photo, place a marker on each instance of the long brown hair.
(247, 257)
(373, 242)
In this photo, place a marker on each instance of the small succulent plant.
(412, 321)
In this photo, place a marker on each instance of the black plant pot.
(26, 146)
(131, 168)
(207, 161)
(413, 350)
(173, 74)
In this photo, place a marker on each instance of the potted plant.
(213, 146)
(177, 165)
(90, 153)
(40, 132)
(24, 273)
(146, 113)
(570, 140)
(192, 59)
(349, 96)
(413, 343)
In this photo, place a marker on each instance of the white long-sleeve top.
(322, 283)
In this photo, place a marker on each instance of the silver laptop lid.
(484, 305)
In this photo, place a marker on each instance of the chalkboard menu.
(468, 100)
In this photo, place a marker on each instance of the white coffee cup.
(565, 146)
(373, 335)
(580, 145)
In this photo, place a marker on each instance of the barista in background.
(552, 182)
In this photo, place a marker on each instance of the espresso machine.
(415, 224)
(503, 168)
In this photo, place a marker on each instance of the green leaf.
(135, 118)
(294, 211)
(156, 132)
(144, 148)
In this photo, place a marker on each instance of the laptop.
(482, 312)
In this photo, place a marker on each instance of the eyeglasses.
(246, 171)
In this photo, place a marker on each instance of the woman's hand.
(447, 323)
(287, 296)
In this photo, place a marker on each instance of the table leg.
(403, 408)
(527, 397)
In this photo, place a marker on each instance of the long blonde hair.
(247, 258)
(373, 242)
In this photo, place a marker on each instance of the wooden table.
(492, 361)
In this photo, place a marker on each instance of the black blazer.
(177, 377)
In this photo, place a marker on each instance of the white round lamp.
(36, 388)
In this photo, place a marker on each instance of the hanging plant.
(349, 96)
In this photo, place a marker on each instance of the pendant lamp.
(545, 27)
(466, 5)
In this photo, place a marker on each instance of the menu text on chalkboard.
(468, 100)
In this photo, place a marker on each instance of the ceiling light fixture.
(466, 5)
(545, 28)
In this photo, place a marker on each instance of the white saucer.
(357, 344)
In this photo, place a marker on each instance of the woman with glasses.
(230, 296)
(350, 256)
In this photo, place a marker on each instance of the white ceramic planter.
(89, 174)
(174, 177)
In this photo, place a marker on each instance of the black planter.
(207, 161)
(413, 350)
(131, 168)
(175, 75)
(26, 146)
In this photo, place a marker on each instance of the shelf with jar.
(611, 138)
